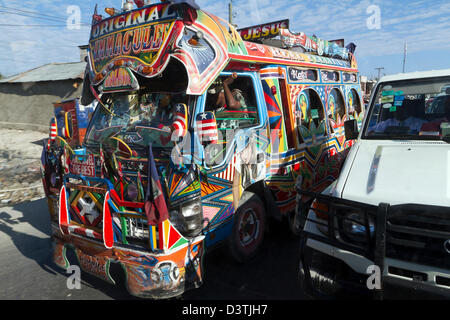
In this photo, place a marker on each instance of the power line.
(34, 13)
(47, 19)
(31, 16)
(43, 25)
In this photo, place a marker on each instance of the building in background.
(27, 99)
(367, 87)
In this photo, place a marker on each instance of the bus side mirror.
(351, 129)
(122, 148)
(180, 123)
(206, 127)
(68, 125)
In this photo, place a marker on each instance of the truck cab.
(385, 221)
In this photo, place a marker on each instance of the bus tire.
(248, 228)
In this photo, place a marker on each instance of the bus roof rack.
(277, 34)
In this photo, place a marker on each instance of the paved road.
(27, 271)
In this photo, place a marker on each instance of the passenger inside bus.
(336, 111)
(313, 124)
(222, 98)
(163, 117)
(316, 115)
(233, 101)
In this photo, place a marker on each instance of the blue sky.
(423, 25)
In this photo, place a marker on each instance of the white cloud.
(422, 24)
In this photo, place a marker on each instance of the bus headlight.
(189, 218)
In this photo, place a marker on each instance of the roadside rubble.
(20, 177)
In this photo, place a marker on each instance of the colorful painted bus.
(198, 137)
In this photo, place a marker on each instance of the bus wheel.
(248, 228)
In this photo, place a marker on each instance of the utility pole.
(230, 12)
(404, 56)
(379, 72)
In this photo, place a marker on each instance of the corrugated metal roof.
(50, 72)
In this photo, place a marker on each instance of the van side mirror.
(351, 129)
(206, 127)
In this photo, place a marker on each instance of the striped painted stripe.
(228, 174)
(85, 232)
(205, 124)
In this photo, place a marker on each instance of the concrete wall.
(30, 105)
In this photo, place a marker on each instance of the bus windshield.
(138, 118)
(410, 110)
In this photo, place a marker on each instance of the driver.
(164, 115)
(401, 119)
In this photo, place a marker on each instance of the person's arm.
(232, 103)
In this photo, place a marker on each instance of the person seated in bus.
(336, 118)
(435, 126)
(164, 115)
(141, 111)
(221, 98)
(317, 122)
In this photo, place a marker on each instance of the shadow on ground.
(271, 275)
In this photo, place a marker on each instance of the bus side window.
(242, 90)
(230, 120)
(354, 105)
(336, 109)
(310, 116)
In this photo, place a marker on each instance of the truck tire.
(248, 228)
(317, 275)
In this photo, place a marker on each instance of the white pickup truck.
(385, 222)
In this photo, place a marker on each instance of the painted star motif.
(88, 210)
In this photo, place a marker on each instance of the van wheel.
(248, 228)
(318, 275)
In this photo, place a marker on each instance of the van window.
(410, 109)
(310, 116)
